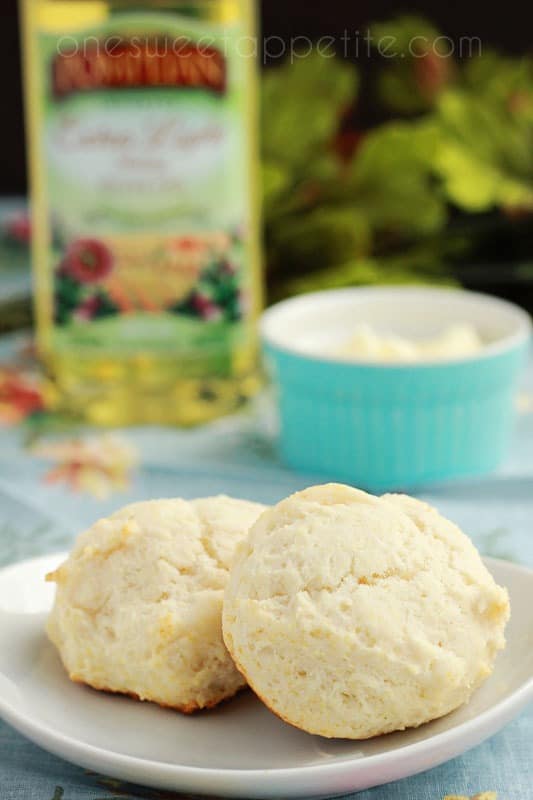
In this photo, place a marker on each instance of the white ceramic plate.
(241, 749)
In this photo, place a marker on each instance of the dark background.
(507, 26)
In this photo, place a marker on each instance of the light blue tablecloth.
(237, 456)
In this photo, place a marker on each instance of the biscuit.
(139, 600)
(352, 615)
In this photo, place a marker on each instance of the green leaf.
(276, 181)
(415, 65)
(302, 104)
(498, 78)
(403, 30)
(484, 156)
(392, 182)
(324, 236)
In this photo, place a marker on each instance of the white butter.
(455, 341)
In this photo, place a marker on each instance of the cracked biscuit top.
(352, 615)
(139, 600)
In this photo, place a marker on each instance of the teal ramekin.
(387, 426)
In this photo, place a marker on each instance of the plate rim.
(472, 732)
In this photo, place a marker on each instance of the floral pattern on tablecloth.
(99, 463)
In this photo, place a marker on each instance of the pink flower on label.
(87, 309)
(87, 260)
(205, 307)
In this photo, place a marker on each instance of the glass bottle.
(142, 141)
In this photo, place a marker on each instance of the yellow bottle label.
(146, 180)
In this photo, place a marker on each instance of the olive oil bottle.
(141, 119)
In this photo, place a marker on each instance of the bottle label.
(146, 153)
